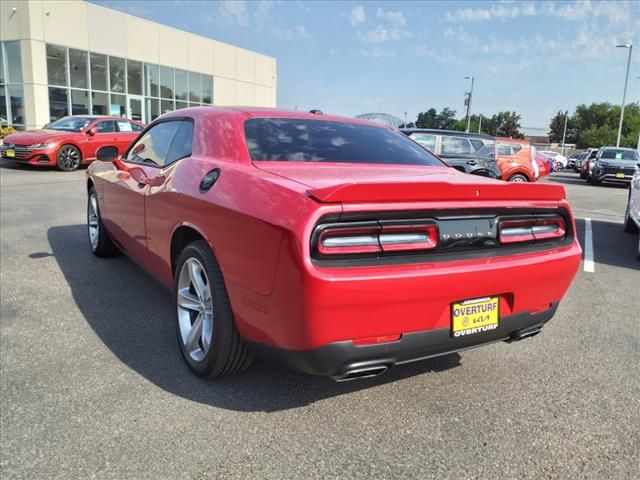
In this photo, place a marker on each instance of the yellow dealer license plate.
(619, 175)
(10, 153)
(474, 316)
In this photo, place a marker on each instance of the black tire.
(518, 177)
(102, 246)
(629, 225)
(68, 158)
(593, 181)
(228, 353)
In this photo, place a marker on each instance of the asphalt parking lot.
(93, 385)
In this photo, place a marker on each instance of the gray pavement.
(93, 386)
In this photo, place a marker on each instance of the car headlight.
(40, 145)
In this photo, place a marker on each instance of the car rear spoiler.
(435, 191)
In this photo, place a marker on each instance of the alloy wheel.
(195, 309)
(69, 158)
(93, 221)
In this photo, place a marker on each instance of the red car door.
(126, 183)
(105, 134)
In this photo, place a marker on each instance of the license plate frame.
(467, 320)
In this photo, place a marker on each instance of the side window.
(455, 145)
(516, 147)
(154, 145)
(427, 140)
(477, 143)
(124, 126)
(182, 142)
(504, 149)
(106, 126)
(136, 128)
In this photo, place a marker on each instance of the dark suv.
(613, 164)
(458, 149)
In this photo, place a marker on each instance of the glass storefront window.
(13, 60)
(153, 109)
(195, 87)
(166, 82)
(98, 71)
(3, 106)
(117, 74)
(57, 65)
(79, 102)
(118, 106)
(58, 105)
(182, 85)
(100, 103)
(151, 80)
(78, 68)
(207, 88)
(180, 105)
(166, 106)
(16, 101)
(2, 62)
(134, 77)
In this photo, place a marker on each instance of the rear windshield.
(616, 154)
(304, 140)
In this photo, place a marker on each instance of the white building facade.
(71, 57)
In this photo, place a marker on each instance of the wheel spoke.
(195, 274)
(194, 335)
(207, 332)
(187, 300)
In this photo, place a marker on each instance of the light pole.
(480, 124)
(624, 94)
(564, 134)
(469, 77)
(405, 119)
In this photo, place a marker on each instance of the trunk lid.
(356, 183)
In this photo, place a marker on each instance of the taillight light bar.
(532, 229)
(377, 239)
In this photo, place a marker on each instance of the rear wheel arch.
(183, 236)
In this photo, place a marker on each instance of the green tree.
(428, 119)
(596, 125)
(556, 127)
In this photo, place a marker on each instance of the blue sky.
(355, 57)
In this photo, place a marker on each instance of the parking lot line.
(588, 247)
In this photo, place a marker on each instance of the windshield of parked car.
(305, 140)
(70, 124)
(619, 154)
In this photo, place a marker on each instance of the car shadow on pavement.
(132, 314)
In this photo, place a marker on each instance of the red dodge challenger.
(336, 246)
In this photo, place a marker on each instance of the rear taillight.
(531, 229)
(377, 239)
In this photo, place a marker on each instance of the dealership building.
(71, 57)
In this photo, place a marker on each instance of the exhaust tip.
(526, 333)
(359, 373)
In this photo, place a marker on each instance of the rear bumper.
(339, 358)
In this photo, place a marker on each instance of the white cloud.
(495, 11)
(234, 11)
(299, 32)
(357, 16)
(394, 18)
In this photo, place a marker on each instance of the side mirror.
(107, 153)
(92, 131)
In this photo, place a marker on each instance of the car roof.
(456, 133)
(266, 112)
(618, 148)
(100, 117)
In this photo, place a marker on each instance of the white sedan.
(632, 213)
(560, 159)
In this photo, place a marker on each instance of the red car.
(70, 141)
(336, 246)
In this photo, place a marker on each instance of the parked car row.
(508, 159)
(607, 165)
(70, 142)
